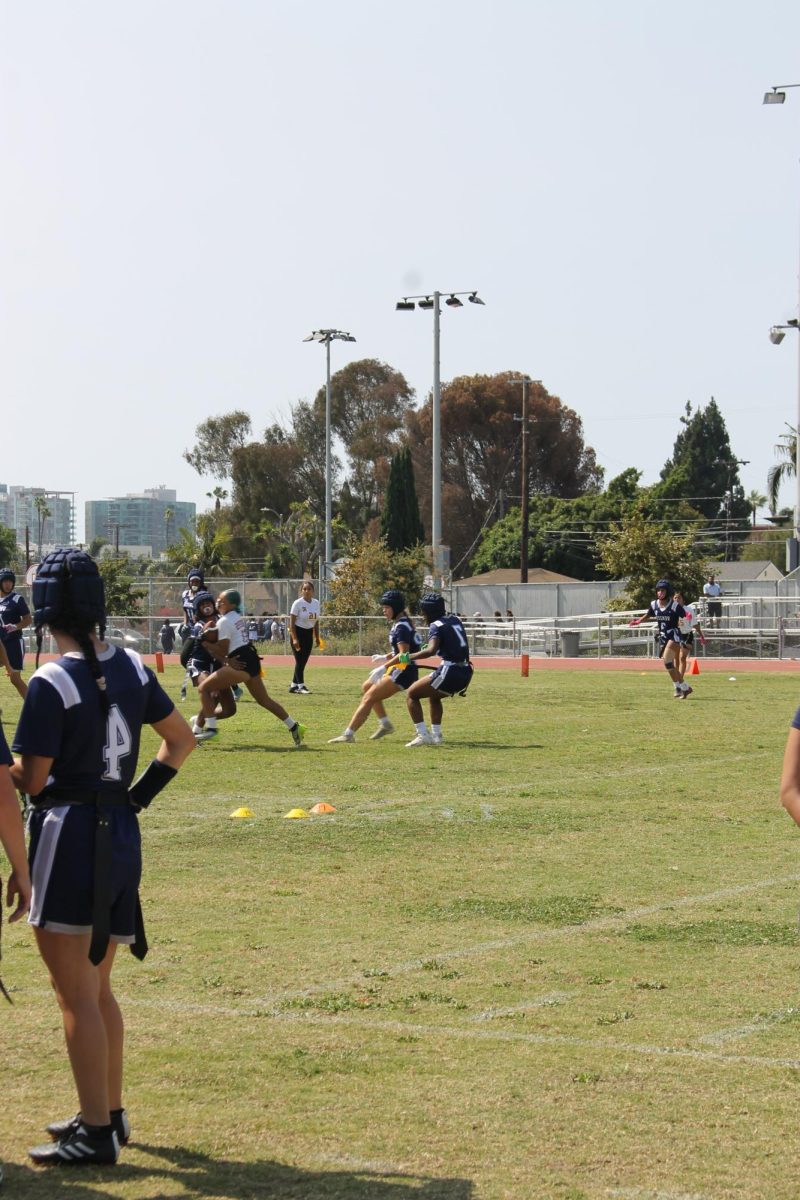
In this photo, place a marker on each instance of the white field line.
(551, 999)
(757, 1025)
(598, 924)
(475, 1033)
(391, 807)
(366, 1023)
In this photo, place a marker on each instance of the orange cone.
(524, 665)
(322, 807)
(695, 667)
(159, 662)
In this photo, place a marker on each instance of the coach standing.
(303, 631)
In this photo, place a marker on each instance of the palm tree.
(217, 495)
(786, 450)
(43, 511)
(756, 501)
(169, 513)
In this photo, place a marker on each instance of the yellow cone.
(323, 645)
(322, 807)
(295, 814)
(242, 812)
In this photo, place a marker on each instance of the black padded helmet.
(666, 585)
(68, 585)
(202, 598)
(196, 573)
(433, 606)
(393, 599)
(7, 573)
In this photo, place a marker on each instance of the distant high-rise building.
(43, 516)
(151, 518)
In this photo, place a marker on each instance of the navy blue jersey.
(796, 721)
(187, 602)
(452, 638)
(12, 609)
(667, 619)
(404, 631)
(63, 719)
(5, 754)
(201, 660)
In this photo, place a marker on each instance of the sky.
(188, 188)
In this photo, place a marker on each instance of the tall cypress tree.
(400, 523)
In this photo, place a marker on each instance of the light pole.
(327, 336)
(523, 472)
(776, 336)
(407, 304)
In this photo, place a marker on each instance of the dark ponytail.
(74, 626)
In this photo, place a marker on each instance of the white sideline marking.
(552, 998)
(757, 1025)
(542, 1039)
(598, 924)
(367, 1022)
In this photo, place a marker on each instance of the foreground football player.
(78, 742)
(447, 638)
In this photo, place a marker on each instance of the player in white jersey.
(239, 664)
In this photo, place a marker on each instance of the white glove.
(377, 675)
(380, 657)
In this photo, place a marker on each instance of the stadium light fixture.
(326, 336)
(432, 301)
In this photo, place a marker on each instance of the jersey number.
(119, 743)
(459, 635)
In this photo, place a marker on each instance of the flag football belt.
(101, 902)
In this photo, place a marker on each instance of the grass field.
(555, 957)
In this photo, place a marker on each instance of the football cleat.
(303, 690)
(78, 1148)
(293, 688)
(205, 735)
(422, 739)
(119, 1121)
(343, 737)
(382, 731)
(298, 733)
(436, 739)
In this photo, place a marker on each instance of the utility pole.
(523, 472)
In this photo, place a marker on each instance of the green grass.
(556, 957)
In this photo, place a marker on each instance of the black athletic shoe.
(77, 1149)
(119, 1122)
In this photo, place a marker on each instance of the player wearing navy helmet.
(447, 638)
(77, 744)
(14, 617)
(668, 613)
(394, 674)
(229, 644)
(200, 663)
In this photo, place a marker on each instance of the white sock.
(420, 728)
(289, 722)
(384, 721)
(211, 723)
(436, 730)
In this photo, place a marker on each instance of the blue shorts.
(61, 857)
(450, 679)
(404, 676)
(15, 651)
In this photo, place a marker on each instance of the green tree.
(755, 500)
(368, 569)
(43, 511)
(123, 597)
(8, 546)
(369, 400)
(641, 551)
(216, 438)
(207, 548)
(481, 447)
(400, 523)
(786, 468)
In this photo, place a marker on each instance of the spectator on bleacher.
(712, 591)
(167, 638)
